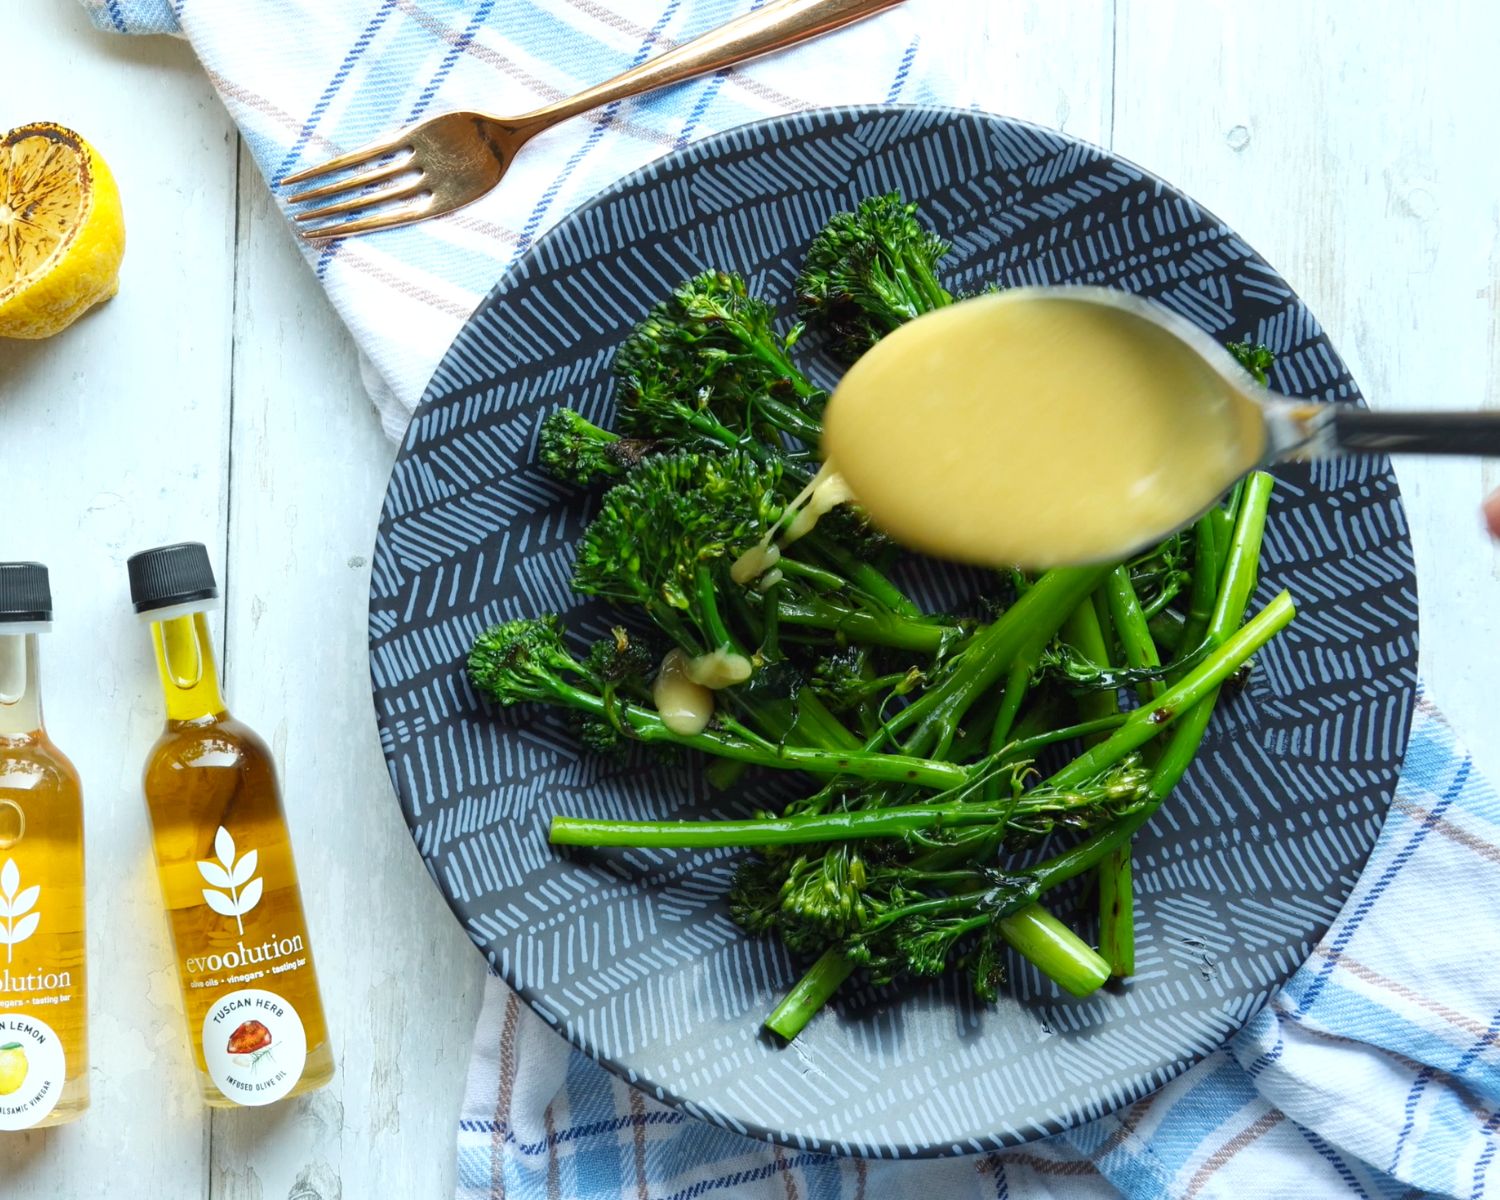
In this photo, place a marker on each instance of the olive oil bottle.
(224, 859)
(44, 1054)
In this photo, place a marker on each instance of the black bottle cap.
(170, 575)
(25, 594)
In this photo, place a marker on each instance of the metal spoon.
(1301, 429)
(1048, 426)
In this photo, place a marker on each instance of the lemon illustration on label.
(13, 1068)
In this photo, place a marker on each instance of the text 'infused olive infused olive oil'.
(224, 858)
(44, 1055)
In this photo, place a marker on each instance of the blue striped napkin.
(307, 80)
(1375, 1072)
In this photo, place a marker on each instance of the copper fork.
(453, 159)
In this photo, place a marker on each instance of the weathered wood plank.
(1350, 144)
(400, 980)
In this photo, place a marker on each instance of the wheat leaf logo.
(17, 920)
(242, 890)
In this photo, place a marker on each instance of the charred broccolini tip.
(846, 679)
(1255, 357)
(525, 662)
(663, 538)
(624, 666)
(572, 449)
(848, 526)
(624, 661)
(666, 537)
(870, 271)
(707, 362)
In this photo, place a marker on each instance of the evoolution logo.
(243, 890)
(17, 920)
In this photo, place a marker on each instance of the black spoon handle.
(1360, 431)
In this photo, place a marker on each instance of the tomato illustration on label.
(254, 1059)
(249, 1038)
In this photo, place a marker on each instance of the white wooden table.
(218, 398)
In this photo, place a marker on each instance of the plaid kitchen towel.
(1374, 1072)
(307, 80)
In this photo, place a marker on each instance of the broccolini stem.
(647, 726)
(1024, 748)
(960, 880)
(936, 906)
(1226, 515)
(1083, 632)
(1032, 931)
(1176, 756)
(1117, 913)
(919, 290)
(1168, 593)
(1241, 562)
(823, 979)
(881, 629)
(1056, 950)
(866, 577)
(1175, 759)
(809, 994)
(803, 722)
(823, 580)
(704, 422)
(708, 602)
(1021, 749)
(788, 419)
(1184, 699)
(778, 831)
(932, 290)
(1146, 722)
(775, 357)
(1204, 590)
(806, 828)
(1116, 903)
(1017, 680)
(1179, 750)
(1131, 628)
(1167, 630)
(990, 654)
(818, 727)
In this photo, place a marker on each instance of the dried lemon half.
(62, 231)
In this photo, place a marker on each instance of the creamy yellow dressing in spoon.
(1030, 429)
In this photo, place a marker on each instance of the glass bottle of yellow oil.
(224, 858)
(44, 1053)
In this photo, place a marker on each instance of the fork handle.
(774, 26)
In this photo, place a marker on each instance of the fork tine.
(354, 158)
(354, 204)
(352, 182)
(387, 220)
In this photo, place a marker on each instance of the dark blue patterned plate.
(631, 955)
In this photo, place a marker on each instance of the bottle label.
(255, 1046)
(32, 1071)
